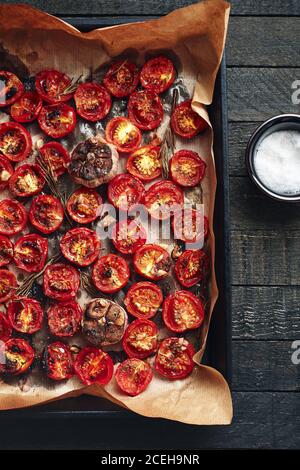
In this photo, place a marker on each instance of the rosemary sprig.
(73, 85)
(168, 144)
(87, 285)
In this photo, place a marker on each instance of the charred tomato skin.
(140, 331)
(18, 217)
(23, 354)
(84, 205)
(93, 102)
(55, 155)
(122, 78)
(5, 328)
(146, 295)
(12, 89)
(133, 376)
(18, 311)
(179, 303)
(128, 236)
(75, 241)
(6, 172)
(6, 251)
(30, 252)
(51, 86)
(85, 366)
(125, 191)
(64, 318)
(105, 271)
(145, 110)
(180, 363)
(145, 163)
(158, 74)
(123, 134)
(15, 141)
(61, 281)
(57, 361)
(185, 122)
(159, 257)
(57, 120)
(187, 169)
(27, 180)
(167, 196)
(46, 205)
(27, 107)
(191, 267)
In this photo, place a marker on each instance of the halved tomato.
(163, 199)
(26, 181)
(145, 109)
(5, 328)
(57, 120)
(128, 236)
(92, 101)
(191, 226)
(174, 359)
(191, 267)
(158, 74)
(133, 376)
(61, 281)
(11, 88)
(6, 251)
(56, 156)
(80, 246)
(30, 252)
(15, 141)
(8, 283)
(185, 122)
(125, 191)
(110, 273)
(6, 170)
(27, 107)
(57, 361)
(17, 356)
(13, 217)
(46, 213)
(125, 136)
(145, 163)
(52, 86)
(152, 262)
(122, 78)
(187, 168)
(140, 339)
(25, 315)
(143, 300)
(92, 365)
(84, 205)
(64, 318)
(182, 311)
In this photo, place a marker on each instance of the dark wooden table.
(262, 62)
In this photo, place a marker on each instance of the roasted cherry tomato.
(11, 88)
(52, 86)
(84, 205)
(125, 191)
(27, 107)
(145, 109)
(133, 376)
(185, 122)
(157, 74)
(17, 355)
(191, 267)
(13, 217)
(92, 101)
(110, 273)
(64, 318)
(6, 170)
(25, 315)
(122, 78)
(140, 339)
(125, 136)
(182, 311)
(30, 252)
(80, 246)
(57, 361)
(174, 359)
(92, 365)
(57, 120)
(15, 141)
(6, 251)
(128, 236)
(186, 168)
(5, 328)
(143, 300)
(145, 163)
(61, 281)
(191, 226)
(46, 213)
(8, 283)
(163, 199)
(152, 262)
(56, 156)
(26, 181)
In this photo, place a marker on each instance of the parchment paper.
(30, 41)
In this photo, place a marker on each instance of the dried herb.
(168, 144)
(73, 85)
(86, 284)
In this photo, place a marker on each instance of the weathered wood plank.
(263, 41)
(265, 7)
(257, 94)
(264, 366)
(266, 313)
(238, 136)
(265, 258)
(252, 210)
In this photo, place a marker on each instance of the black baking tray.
(218, 350)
